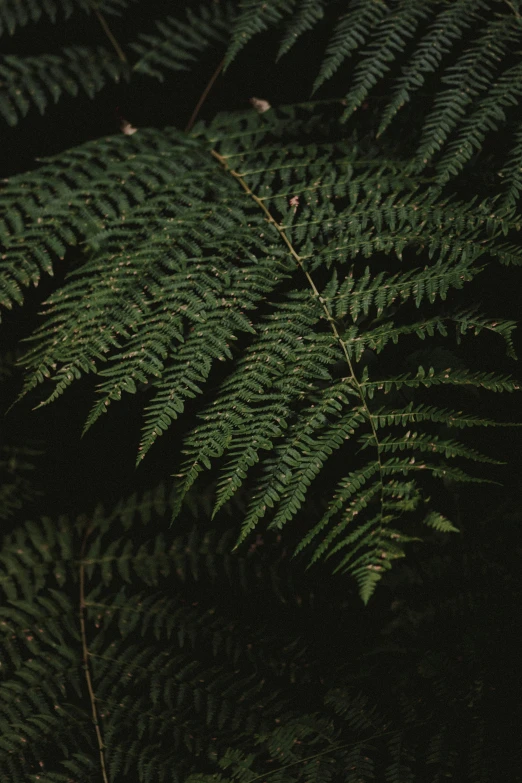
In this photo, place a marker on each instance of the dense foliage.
(303, 308)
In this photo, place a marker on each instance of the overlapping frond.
(40, 80)
(178, 43)
(475, 93)
(450, 25)
(464, 53)
(19, 13)
(169, 674)
(303, 297)
(69, 197)
(186, 688)
(255, 17)
(238, 249)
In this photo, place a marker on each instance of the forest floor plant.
(306, 303)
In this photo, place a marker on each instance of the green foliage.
(19, 13)
(174, 45)
(206, 250)
(177, 44)
(298, 298)
(35, 80)
(190, 686)
(466, 47)
(152, 652)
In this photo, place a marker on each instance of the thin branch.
(322, 753)
(85, 654)
(203, 96)
(108, 32)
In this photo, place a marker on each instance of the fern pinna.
(294, 261)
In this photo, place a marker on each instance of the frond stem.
(108, 32)
(321, 753)
(203, 96)
(85, 655)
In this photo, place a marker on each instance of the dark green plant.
(197, 665)
(292, 291)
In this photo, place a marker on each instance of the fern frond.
(178, 44)
(380, 291)
(421, 442)
(455, 377)
(255, 16)
(410, 44)
(448, 26)
(70, 197)
(303, 18)
(395, 30)
(43, 79)
(411, 413)
(470, 77)
(322, 430)
(194, 691)
(351, 32)
(191, 266)
(19, 13)
(314, 399)
(38, 80)
(488, 116)
(511, 174)
(279, 368)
